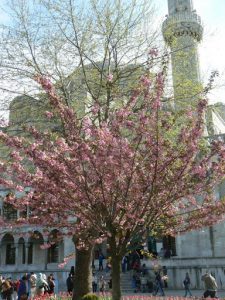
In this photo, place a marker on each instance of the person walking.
(23, 290)
(33, 286)
(210, 286)
(7, 290)
(100, 262)
(187, 283)
(102, 284)
(144, 282)
(158, 284)
(124, 264)
(51, 284)
(69, 283)
(41, 284)
(94, 283)
(15, 285)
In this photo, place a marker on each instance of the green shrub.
(90, 297)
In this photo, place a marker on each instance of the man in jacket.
(210, 286)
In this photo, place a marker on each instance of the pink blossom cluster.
(153, 52)
(136, 167)
(110, 77)
(66, 260)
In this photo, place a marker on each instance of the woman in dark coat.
(187, 283)
(22, 290)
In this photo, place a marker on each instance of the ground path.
(179, 293)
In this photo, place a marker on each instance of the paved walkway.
(180, 293)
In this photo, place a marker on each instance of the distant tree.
(78, 45)
(116, 176)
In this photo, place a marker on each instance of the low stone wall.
(176, 269)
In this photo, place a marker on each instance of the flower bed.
(108, 296)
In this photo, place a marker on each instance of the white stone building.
(202, 250)
(24, 253)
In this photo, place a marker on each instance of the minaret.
(182, 31)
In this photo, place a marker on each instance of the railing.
(182, 17)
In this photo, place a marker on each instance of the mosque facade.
(204, 250)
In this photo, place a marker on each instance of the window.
(23, 213)
(10, 254)
(152, 245)
(23, 254)
(53, 254)
(53, 251)
(169, 242)
(30, 253)
(9, 212)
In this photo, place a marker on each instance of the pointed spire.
(175, 6)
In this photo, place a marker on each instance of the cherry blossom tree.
(118, 172)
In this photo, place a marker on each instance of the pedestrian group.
(27, 287)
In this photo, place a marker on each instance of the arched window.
(53, 254)
(35, 253)
(9, 249)
(53, 251)
(10, 255)
(30, 253)
(21, 251)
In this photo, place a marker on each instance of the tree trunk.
(83, 273)
(116, 289)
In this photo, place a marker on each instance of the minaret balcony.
(182, 23)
